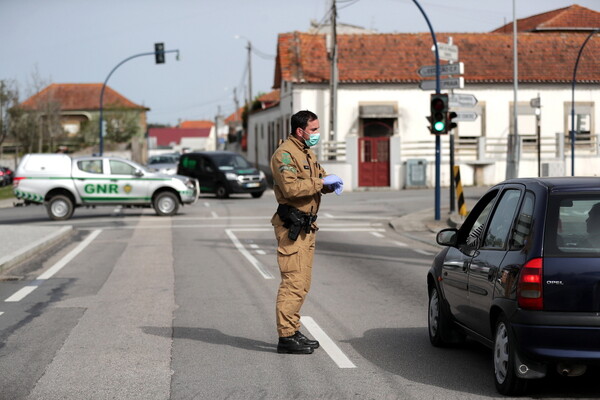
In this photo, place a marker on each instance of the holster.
(294, 220)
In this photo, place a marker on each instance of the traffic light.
(159, 53)
(450, 115)
(439, 111)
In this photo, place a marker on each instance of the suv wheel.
(507, 382)
(166, 204)
(221, 192)
(59, 208)
(256, 195)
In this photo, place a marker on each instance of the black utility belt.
(295, 220)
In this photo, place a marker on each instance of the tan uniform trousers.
(295, 260)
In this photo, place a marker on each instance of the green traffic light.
(439, 126)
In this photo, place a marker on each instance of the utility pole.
(513, 143)
(333, 81)
(249, 47)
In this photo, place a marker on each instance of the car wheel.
(166, 204)
(505, 377)
(222, 192)
(437, 320)
(60, 208)
(256, 195)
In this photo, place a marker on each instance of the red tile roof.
(197, 124)
(572, 18)
(166, 136)
(80, 96)
(395, 58)
(236, 116)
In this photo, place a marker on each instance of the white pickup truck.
(63, 183)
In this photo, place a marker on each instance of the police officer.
(299, 182)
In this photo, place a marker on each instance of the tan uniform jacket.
(298, 177)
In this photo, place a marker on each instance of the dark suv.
(522, 276)
(223, 173)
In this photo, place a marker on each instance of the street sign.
(462, 100)
(466, 116)
(448, 52)
(535, 102)
(428, 71)
(447, 83)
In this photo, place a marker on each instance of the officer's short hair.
(301, 119)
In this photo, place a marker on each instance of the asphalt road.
(137, 306)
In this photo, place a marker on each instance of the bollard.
(462, 207)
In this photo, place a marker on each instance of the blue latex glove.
(331, 180)
(339, 188)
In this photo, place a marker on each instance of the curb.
(44, 243)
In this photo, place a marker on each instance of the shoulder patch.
(286, 158)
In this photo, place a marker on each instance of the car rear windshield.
(573, 226)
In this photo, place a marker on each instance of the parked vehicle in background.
(522, 276)
(63, 183)
(163, 163)
(6, 176)
(223, 173)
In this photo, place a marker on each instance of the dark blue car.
(522, 276)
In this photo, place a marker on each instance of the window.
(121, 168)
(91, 166)
(573, 226)
(502, 219)
(520, 236)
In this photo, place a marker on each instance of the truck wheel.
(166, 204)
(60, 208)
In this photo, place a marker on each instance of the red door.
(374, 161)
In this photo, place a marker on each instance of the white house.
(383, 136)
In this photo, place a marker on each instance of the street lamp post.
(572, 133)
(101, 147)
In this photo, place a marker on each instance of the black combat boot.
(303, 339)
(293, 345)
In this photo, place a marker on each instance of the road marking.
(1, 312)
(401, 244)
(326, 343)
(23, 292)
(423, 252)
(327, 215)
(377, 234)
(254, 246)
(214, 214)
(255, 263)
(206, 204)
(261, 252)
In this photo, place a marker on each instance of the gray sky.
(81, 41)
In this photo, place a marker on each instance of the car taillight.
(16, 180)
(529, 290)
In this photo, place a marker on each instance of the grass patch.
(6, 192)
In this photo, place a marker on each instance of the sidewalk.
(20, 242)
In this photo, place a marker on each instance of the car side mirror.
(139, 173)
(447, 237)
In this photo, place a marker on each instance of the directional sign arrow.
(465, 116)
(462, 100)
(448, 83)
(428, 71)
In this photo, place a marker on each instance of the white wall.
(413, 107)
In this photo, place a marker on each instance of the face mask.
(313, 140)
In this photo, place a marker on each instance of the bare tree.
(9, 97)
